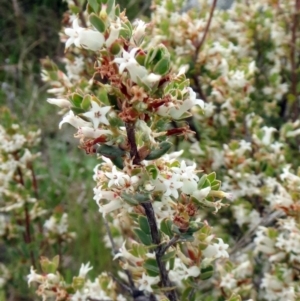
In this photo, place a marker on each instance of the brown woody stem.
(159, 251)
(130, 130)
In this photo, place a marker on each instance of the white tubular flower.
(201, 194)
(128, 61)
(228, 281)
(75, 121)
(88, 132)
(34, 277)
(127, 255)
(117, 178)
(169, 185)
(97, 114)
(139, 31)
(84, 269)
(177, 110)
(111, 206)
(150, 79)
(188, 177)
(181, 272)
(103, 194)
(83, 37)
(146, 282)
(60, 102)
(263, 243)
(115, 28)
(217, 250)
(268, 131)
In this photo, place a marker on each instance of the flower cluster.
(246, 73)
(130, 103)
(21, 211)
(127, 111)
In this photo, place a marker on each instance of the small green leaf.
(129, 199)
(163, 66)
(110, 6)
(76, 99)
(110, 151)
(166, 226)
(49, 266)
(86, 102)
(55, 261)
(143, 237)
(94, 5)
(77, 111)
(215, 185)
(97, 23)
(152, 171)
(194, 227)
(102, 95)
(144, 225)
(207, 272)
(187, 236)
(142, 197)
(78, 283)
(211, 177)
(157, 153)
(166, 257)
(186, 295)
(118, 161)
(202, 181)
(117, 10)
(151, 267)
(234, 297)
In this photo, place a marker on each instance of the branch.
(198, 48)
(166, 283)
(131, 140)
(172, 242)
(199, 45)
(34, 181)
(113, 245)
(131, 287)
(27, 237)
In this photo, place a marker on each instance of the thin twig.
(131, 288)
(130, 130)
(113, 245)
(34, 181)
(198, 87)
(247, 238)
(171, 242)
(123, 285)
(164, 277)
(27, 237)
(198, 47)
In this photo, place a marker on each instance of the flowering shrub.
(126, 94)
(123, 114)
(24, 234)
(246, 73)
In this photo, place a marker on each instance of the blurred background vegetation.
(29, 31)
